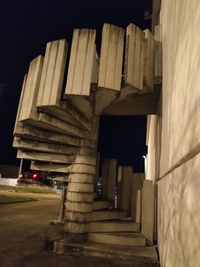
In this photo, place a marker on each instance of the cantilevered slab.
(52, 167)
(39, 146)
(44, 121)
(34, 133)
(28, 105)
(49, 96)
(110, 69)
(141, 104)
(149, 60)
(56, 158)
(134, 60)
(62, 168)
(52, 74)
(79, 77)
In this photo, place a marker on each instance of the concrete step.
(113, 226)
(103, 215)
(123, 239)
(102, 204)
(137, 256)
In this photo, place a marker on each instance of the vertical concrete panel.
(148, 211)
(178, 191)
(138, 206)
(136, 184)
(149, 60)
(127, 177)
(109, 175)
(110, 68)
(134, 57)
(28, 106)
(82, 58)
(52, 74)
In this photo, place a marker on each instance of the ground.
(22, 233)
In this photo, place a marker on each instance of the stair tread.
(109, 210)
(145, 254)
(120, 234)
(117, 222)
(149, 253)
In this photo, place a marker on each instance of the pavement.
(22, 234)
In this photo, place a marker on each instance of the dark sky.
(27, 25)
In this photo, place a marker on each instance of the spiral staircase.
(57, 126)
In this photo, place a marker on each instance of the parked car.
(35, 177)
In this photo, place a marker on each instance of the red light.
(35, 176)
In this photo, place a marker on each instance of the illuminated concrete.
(179, 188)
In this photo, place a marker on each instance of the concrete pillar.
(136, 184)
(125, 176)
(138, 206)
(109, 175)
(148, 211)
(79, 202)
(80, 195)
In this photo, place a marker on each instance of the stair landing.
(140, 256)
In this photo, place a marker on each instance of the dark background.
(25, 28)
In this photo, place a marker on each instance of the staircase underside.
(135, 104)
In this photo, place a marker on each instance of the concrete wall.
(179, 188)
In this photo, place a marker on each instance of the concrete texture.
(179, 216)
(179, 188)
(23, 233)
(148, 211)
(181, 79)
(109, 175)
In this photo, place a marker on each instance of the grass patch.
(26, 189)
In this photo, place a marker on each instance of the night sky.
(26, 26)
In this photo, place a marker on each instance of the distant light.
(144, 157)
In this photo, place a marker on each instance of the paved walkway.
(22, 235)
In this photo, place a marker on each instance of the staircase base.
(143, 256)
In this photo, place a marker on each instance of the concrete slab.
(102, 215)
(50, 89)
(136, 256)
(82, 56)
(124, 239)
(134, 60)
(113, 226)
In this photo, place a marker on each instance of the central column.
(80, 193)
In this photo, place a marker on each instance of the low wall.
(8, 181)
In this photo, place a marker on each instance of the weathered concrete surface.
(181, 79)
(22, 236)
(179, 190)
(179, 216)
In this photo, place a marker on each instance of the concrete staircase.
(112, 226)
(112, 235)
(57, 130)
